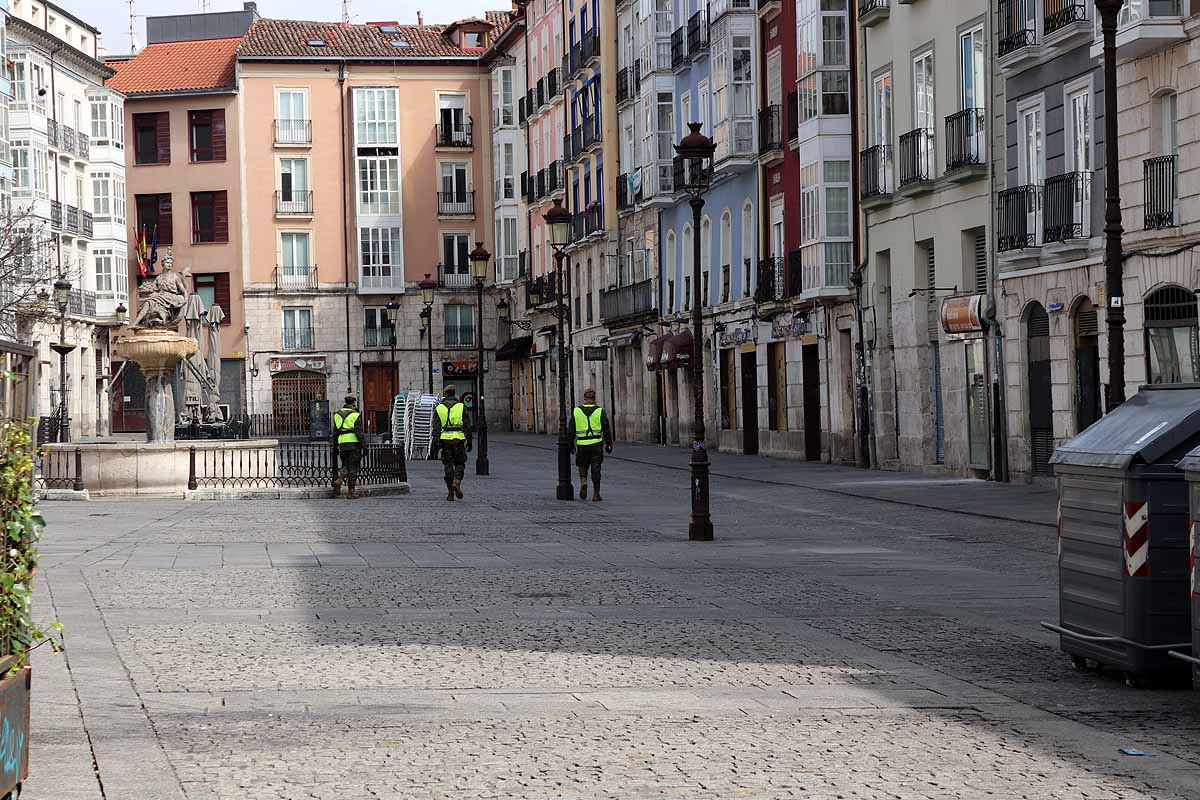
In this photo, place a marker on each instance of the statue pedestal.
(157, 351)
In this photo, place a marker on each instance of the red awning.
(656, 348)
(677, 352)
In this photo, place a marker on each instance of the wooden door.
(811, 369)
(379, 389)
(750, 403)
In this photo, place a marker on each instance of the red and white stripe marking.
(1058, 525)
(1192, 557)
(1137, 539)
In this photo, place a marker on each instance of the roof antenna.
(132, 39)
(205, 6)
(345, 12)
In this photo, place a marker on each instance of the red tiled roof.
(178, 67)
(289, 38)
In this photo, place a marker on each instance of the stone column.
(160, 405)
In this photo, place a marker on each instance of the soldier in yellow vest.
(593, 438)
(350, 438)
(452, 432)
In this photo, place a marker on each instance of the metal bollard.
(78, 485)
(191, 468)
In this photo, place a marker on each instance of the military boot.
(449, 492)
(457, 487)
(583, 484)
(595, 491)
(337, 486)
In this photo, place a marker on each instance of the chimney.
(420, 20)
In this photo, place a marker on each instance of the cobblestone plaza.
(848, 635)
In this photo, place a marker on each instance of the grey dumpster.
(1123, 524)
(1191, 468)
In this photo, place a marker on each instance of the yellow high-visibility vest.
(588, 428)
(344, 425)
(452, 422)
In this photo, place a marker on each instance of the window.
(748, 251)
(705, 258)
(108, 197)
(473, 39)
(1172, 346)
(972, 69)
(375, 116)
(454, 183)
(726, 254)
(671, 264)
(213, 290)
(460, 325)
(381, 257)
(210, 217)
(297, 329)
(923, 101)
(456, 248)
(881, 109)
(207, 135)
(291, 125)
(508, 167)
(377, 328)
(1031, 149)
(502, 97)
(379, 185)
(743, 77)
(452, 119)
(837, 198)
(835, 93)
(152, 138)
(810, 203)
(105, 277)
(154, 216)
(1079, 130)
(295, 260)
(688, 266)
(506, 247)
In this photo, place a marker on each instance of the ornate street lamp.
(1113, 268)
(120, 312)
(62, 297)
(558, 219)
(479, 265)
(428, 286)
(393, 313)
(695, 153)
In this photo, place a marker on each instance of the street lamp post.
(1113, 269)
(695, 152)
(393, 313)
(558, 219)
(479, 263)
(427, 287)
(62, 296)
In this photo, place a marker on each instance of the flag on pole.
(143, 256)
(137, 252)
(154, 250)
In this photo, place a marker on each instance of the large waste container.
(1191, 469)
(1122, 528)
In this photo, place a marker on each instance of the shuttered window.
(210, 217)
(154, 213)
(206, 135)
(981, 268)
(213, 289)
(152, 138)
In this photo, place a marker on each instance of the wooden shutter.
(165, 228)
(220, 217)
(221, 294)
(218, 134)
(162, 135)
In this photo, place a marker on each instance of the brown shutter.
(162, 126)
(220, 217)
(221, 294)
(218, 134)
(165, 227)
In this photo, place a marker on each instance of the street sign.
(595, 354)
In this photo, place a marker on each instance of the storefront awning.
(656, 348)
(677, 352)
(515, 349)
(625, 339)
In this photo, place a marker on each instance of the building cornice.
(56, 47)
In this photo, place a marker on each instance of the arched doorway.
(292, 395)
(1041, 403)
(1087, 364)
(1172, 351)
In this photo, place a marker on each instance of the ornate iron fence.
(61, 469)
(290, 465)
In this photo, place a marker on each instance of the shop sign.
(963, 314)
(291, 363)
(459, 369)
(783, 328)
(595, 354)
(738, 336)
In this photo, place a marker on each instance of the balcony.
(825, 266)
(1068, 208)
(593, 220)
(460, 337)
(875, 167)
(81, 303)
(624, 199)
(86, 225)
(917, 160)
(1145, 26)
(379, 338)
(966, 144)
(679, 48)
(627, 302)
(539, 94)
(697, 34)
(554, 178)
(1018, 35)
(298, 339)
(1062, 17)
(623, 92)
(591, 132)
(793, 116)
(296, 278)
(83, 146)
(719, 8)
(294, 203)
(541, 290)
(770, 135)
(56, 215)
(1018, 219)
(589, 48)
(456, 135)
(72, 219)
(456, 204)
(772, 280)
(522, 112)
(1160, 191)
(293, 132)
(552, 85)
(455, 277)
(872, 12)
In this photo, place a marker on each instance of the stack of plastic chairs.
(399, 419)
(419, 425)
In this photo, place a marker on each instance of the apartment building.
(373, 168)
(927, 209)
(184, 179)
(68, 173)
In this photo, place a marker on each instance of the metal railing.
(1068, 207)
(1061, 13)
(1018, 217)
(627, 301)
(916, 156)
(456, 204)
(590, 47)
(460, 336)
(454, 135)
(72, 219)
(623, 92)
(593, 220)
(867, 6)
(793, 116)
(1159, 177)
(56, 215)
(83, 145)
(60, 468)
(293, 131)
(296, 278)
(679, 47)
(875, 167)
(452, 277)
(1017, 26)
(544, 287)
(624, 201)
(697, 33)
(376, 337)
(86, 224)
(966, 139)
(298, 339)
(81, 302)
(290, 426)
(591, 131)
(772, 280)
(552, 84)
(294, 201)
(770, 129)
(290, 465)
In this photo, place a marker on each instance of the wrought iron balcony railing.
(454, 135)
(627, 301)
(875, 168)
(455, 277)
(916, 157)
(1017, 26)
(293, 131)
(295, 339)
(294, 201)
(296, 278)
(1159, 184)
(770, 129)
(1068, 207)
(966, 139)
(456, 204)
(1018, 219)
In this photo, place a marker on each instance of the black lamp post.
(479, 264)
(62, 296)
(1113, 270)
(696, 154)
(558, 219)
(427, 287)
(393, 313)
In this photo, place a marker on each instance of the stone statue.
(162, 299)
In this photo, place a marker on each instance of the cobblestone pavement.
(848, 635)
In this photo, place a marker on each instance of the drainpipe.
(346, 220)
(864, 455)
(660, 391)
(991, 318)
